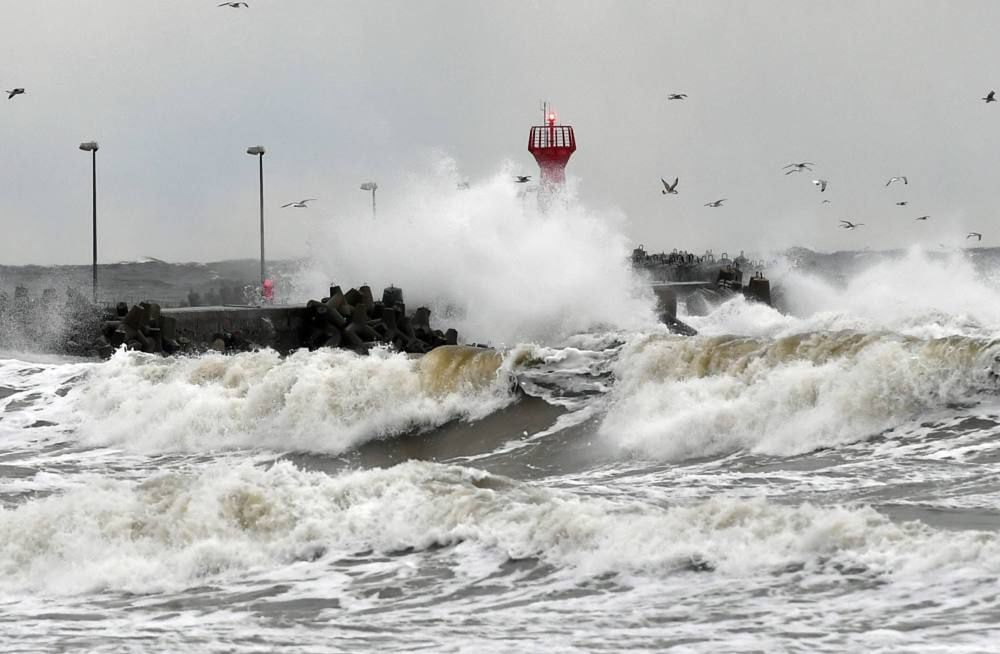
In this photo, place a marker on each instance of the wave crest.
(678, 398)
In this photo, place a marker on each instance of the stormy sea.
(819, 477)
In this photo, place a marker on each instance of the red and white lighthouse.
(552, 145)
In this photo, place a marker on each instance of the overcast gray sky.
(341, 92)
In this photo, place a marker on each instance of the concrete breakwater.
(701, 297)
(353, 319)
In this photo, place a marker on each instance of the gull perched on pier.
(847, 224)
(901, 178)
(667, 188)
(12, 92)
(821, 183)
(989, 97)
(716, 203)
(301, 204)
(978, 236)
(677, 96)
(799, 167)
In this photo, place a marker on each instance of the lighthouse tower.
(552, 145)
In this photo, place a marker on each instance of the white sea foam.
(328, 401)
(487, 260)
(228, 521)
(29, 389)
(916, 295)
(683, 397)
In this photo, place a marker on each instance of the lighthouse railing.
(551, 136)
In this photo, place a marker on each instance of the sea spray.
(487, 260)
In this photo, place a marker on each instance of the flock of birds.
(821, 184)
(668, 188)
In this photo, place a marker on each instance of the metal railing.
(554, 136)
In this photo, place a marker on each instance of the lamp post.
(92, 147)
(371, 186)
(258, 151)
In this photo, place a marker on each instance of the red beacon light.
(552, 145)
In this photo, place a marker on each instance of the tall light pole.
(92, 147)
(258, 151)
(371, 186)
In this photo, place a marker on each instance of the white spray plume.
(486, 260)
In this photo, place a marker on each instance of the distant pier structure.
(552, 145)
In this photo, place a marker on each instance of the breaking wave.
(323, 401)
(487, 261)
(677, 398)
(228, 521)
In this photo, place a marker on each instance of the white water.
(773, 520)
(915, 294)
(678, 398)
(903, 337)
(226, 521)
(323, 401)
(487, 260)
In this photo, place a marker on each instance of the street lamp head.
(369, 186)
(256, 149)
(89, 146)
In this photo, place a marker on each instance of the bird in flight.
(799, 167)
(921, 217)
(821, 183)
(978, 236)
(847, 224)
(12, 92)
(522, 179)
(901, 178)
(717, 203)
(235, 5)
(667, 188)
(462, 186)
(302, 204)
(677, 96)
(990, 97)
(902, 204)
(825, 202)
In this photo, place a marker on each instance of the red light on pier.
(552, 145)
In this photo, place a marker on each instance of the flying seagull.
(825, 202)
(978, 236)
(717, 203)
(847, 224)
(921, 217)
(989, 97)
(235, 5)
(12, 92)
(462, 186)
(902, 204)
(522, 179)
(821, 183)
(677, 96)
(799, 167)
(301, 204)
(901, 178)
(667, 188)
